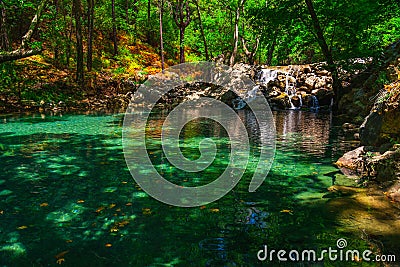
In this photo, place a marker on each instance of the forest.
(281, 132)
(81, 43)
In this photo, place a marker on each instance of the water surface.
(66, 195)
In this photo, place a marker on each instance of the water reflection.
(303, 131)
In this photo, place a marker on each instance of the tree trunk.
(148, 22)
(127, 12)
(161, 35)
(182, 45)
(271, 51)
(90, 16)
(114, 26)
(17, 54)
(250, 54)
(79, 42)
(54, 32)
(202, 30)
(240, 5)
(4, 42)
(182, 21)
(337, 86)
(32, 27)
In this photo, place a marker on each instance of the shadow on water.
(66, 195)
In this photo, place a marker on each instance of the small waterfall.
(290, 89)
(267, 75)
(314, 103)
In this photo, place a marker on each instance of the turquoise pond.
(67, 196)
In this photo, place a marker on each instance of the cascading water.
(290, 89)
(265, 77)
(314, 103)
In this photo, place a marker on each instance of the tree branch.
(22, 51)
(32, 27)
(18, 54)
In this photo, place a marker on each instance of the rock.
(387, 166)
(393, 192)
(304, 89)
(348, 126)
(281, 101)
(310, 82)
(324, 96)
(296, 101)
(370, 129)
(349, 163)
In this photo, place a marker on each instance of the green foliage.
(352, 29)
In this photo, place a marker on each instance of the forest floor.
(38, 84)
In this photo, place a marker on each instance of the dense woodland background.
(77, 45)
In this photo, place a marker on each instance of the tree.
(24, 51)
(337, 86)
(77, 8)
(239, 7)
(202, 30)
(182, 20)
(90, 21)
(250, 54)
(114, 27)
(4, 42)
(161, 7)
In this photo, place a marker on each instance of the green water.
(66, 194)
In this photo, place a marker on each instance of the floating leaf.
(287, 211)
(146, 211)
(61, 254)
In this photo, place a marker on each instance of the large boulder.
(371, 128)
(351, 163)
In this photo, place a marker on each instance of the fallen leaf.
(80, 201)
(112, 205)
(128, 204)
(108, 245)
(146, 211)
(69, 241)
(44, 204)
(202, 207)
(214, 210)
(287, 211)
(22, 227)
(99, 209)
(61, 254)
(60, 261)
